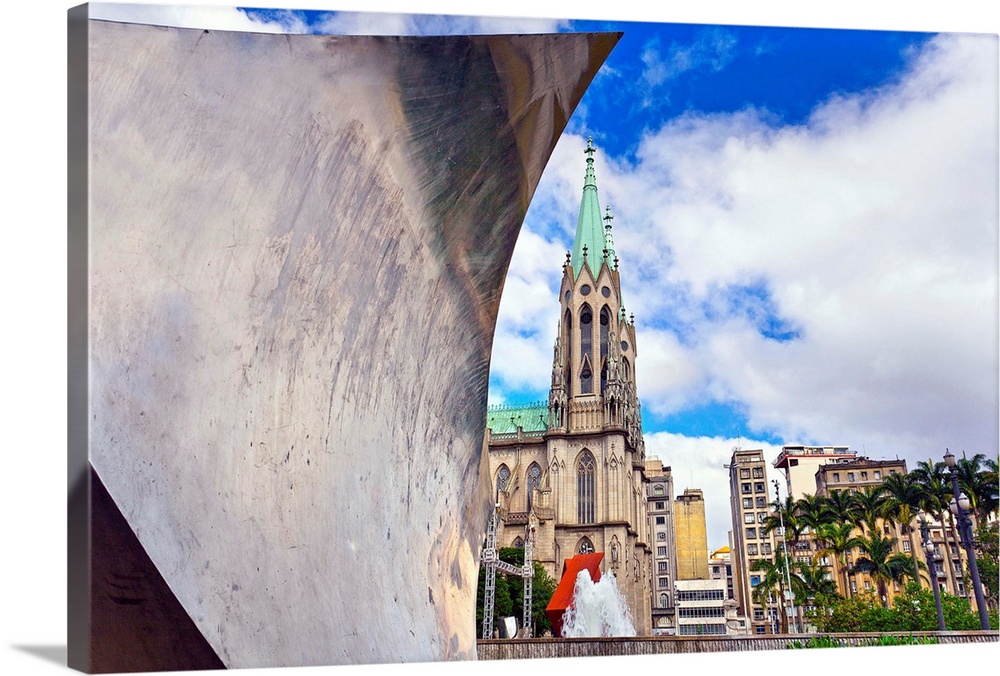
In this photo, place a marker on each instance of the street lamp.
(925, 537)
(959, 506)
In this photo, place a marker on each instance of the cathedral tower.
(574, 467)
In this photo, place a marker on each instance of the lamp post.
(925, 538)
(793, 625)
(960, 507)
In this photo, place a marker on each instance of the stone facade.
(574, 467)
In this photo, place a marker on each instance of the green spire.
(589, 229)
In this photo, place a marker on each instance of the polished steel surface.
(297, 249)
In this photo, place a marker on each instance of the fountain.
(587, 604)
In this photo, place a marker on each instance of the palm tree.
(817, 584)
(840, 507)
(935, 493)
(869, 505)
(773, 582)
(903, 498)
(783, 514)
(837, 539)
(882, 563)
(810, 510)
(979, 481)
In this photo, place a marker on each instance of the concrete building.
(749, 498)
(800, 464)
(664, 548)
(574, 467)
(692, 535)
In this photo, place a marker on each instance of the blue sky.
(807, 225)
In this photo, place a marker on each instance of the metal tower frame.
(493, 563)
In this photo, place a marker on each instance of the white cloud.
(191, 16)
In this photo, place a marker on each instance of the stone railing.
(515, 649)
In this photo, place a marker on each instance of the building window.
(864, 476)
(662, 582)
(751, 533)
(661, 520)
(761, 517)
(661, 566)
(586, 350)
(759, 487)
(585, 547)
(850, 477)
(748, 517)
(661, 536)
(878, 474)
(605, 324)
(744, 473)
(752, 549)
(766, 548)
(585, 488)
(661, 551)
(758, 472)
(663, 600)
(836, 476)
(754, 580)
(868, 585)
(758, 614)
(659, 505)
(534, 480)
(746, 488)
(761, 502)
(658, 489)
(503, 478)
(747, 503)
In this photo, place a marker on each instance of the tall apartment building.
(659, 506)
(749, 498)
(692, 535)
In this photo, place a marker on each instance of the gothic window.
(534, 480)
(625, 368)
(605, 324)
(585, 547)
(663, 600)
(586, 350)
(585, 488)
(503, 478)
(519, 543)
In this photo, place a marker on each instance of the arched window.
(657, 489)
(519, 543)
(534, 480)
(605, 326)
(663, 600)
(625, 369)
(585, 488)
(503, 478)
(585, 547)
(586, 349)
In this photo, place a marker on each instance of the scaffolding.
(492, 561)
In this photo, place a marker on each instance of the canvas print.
(412, 338)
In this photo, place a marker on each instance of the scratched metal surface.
(297, 249)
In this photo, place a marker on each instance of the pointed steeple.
(589, 229)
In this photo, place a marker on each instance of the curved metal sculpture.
(297, 248)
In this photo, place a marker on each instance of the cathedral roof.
(504, 419)
(590, 232)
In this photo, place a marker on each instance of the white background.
(33, 367)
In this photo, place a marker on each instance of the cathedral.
(574, 467)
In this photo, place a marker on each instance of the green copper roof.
(504, 419)
(589, 228)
